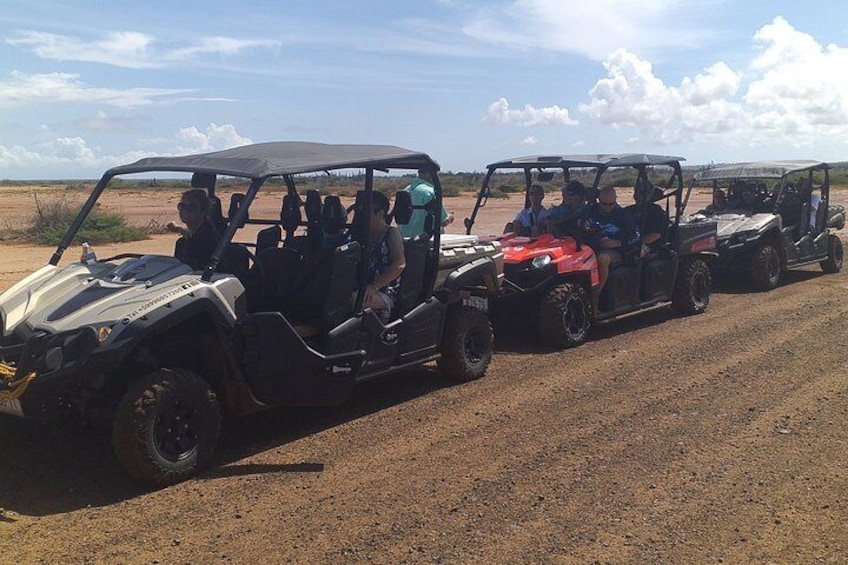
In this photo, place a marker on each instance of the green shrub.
(53, 218)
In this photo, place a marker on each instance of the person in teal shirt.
(421, 191)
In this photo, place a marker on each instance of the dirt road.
(719, 438)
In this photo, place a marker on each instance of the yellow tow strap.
(13, 389)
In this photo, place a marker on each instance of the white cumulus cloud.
(77, 153)
(792, 89)
(632, 95)
(499, 113)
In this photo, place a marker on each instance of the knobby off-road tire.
(565, 315)
(467, 343)
(833, 263)
(692, 289)
(765, 268)
(166, 427)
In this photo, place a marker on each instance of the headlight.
(738, 238)
(541, 261)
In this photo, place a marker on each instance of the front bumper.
(33, 373)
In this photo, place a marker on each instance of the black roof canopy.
(759, 169)
(587, 160)
(279, 158)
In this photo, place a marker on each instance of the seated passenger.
(199, 238)
(746, 199)
(531, 220)
(718, 205)
(387, 259)
(612, 232)
(656, 219)
(563, 219)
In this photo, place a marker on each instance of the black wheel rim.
(700, 289)
(574, 317)
(475, 346)
(772, 267)
(176, 429)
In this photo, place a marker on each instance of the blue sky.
(85, 86)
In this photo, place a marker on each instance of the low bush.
(52, 219)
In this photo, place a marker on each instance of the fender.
(480, 271)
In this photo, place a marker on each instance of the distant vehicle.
(554, 278)
(772, 216)
(160, 351)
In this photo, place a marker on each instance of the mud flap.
(281, 369)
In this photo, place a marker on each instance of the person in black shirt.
(656, 219)
(199, 238)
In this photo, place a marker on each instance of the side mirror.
(402, 211)
(544, 176)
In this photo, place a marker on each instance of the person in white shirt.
(531, 220)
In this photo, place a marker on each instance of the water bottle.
(88, 256)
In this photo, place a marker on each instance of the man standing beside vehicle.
(612, 232)
(421, 191)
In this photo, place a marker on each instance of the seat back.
(361, 218)
(412, 280)
(215, 215)
(333, 221)
(268, 238)
(236, 261)
(312, 207)
(280, 268)
(290, 216)
(338, 306)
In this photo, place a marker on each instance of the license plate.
(12, 407)
(477, 302)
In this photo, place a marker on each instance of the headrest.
(402, 211)
(333, 214)
(313, 206)
(290, 213)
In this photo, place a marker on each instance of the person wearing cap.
(421, 191)
(531, 220)
(563, 219)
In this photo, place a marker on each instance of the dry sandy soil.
(719, 438)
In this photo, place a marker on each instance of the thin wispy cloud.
(23, 89)
(130, 49)
(592, 29)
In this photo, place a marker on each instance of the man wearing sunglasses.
(612, 232)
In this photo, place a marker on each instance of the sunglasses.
(183, 207)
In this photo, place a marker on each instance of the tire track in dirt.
(575, 456)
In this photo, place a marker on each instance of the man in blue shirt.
(612, 232)
(421, 191)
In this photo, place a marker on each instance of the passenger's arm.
(396, 255)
